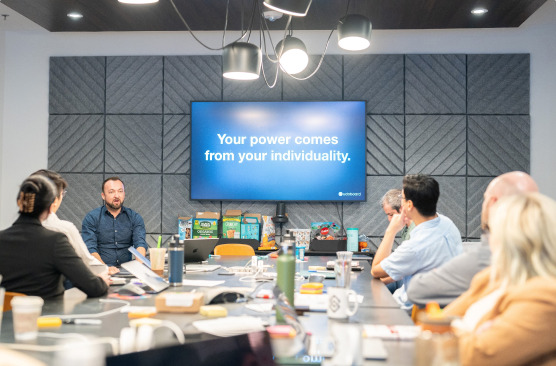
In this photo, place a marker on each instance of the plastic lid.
(30, 301)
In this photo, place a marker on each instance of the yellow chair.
(234, 249)
(8, 296)
(415, 312)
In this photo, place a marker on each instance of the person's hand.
(397, 223)
(105, 277)
(113, 270)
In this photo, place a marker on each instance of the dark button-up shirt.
(111, 236)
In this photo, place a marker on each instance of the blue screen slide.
(278, 151)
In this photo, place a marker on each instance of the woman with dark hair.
(33, 258)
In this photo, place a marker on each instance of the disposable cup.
(157, 260)
(2, 293)
(25, 311)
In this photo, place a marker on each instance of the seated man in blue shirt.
(111, 229)
(434, 240)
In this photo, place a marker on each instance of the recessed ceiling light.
(75, 15)
(479, 11)
(138, 1)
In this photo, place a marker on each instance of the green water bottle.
(286, 276)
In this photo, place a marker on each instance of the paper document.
(401, 332)
(202, 283)
(201, 267)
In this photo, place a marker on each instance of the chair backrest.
(234, 249)
(8, 296)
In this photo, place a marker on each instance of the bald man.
(447, 282)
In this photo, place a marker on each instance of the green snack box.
(205, 225)
(231, 224)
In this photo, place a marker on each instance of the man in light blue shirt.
(434, 240)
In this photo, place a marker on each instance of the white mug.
(338, 303)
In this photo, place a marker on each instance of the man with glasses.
(434, 241)
(112, 228)
(445, 283)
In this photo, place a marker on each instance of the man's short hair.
(423, 191)
(392, 199)
(111, 178)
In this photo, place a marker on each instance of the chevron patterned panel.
(255, 90)
(326, 84)
(177, 148)
(385, 145)
(143, 195)
(374, 243)
(378, 79)
(369, 216)
(264, 208)
(498, 84)
(76, 85)
(134, 143)
(498, 144)
(83, 196)
(435, 145)
(435, 84)
(188, 78)
(175, 202)
(76, 143)
(452, 200)
(476, 187)
(134, 84)
(152, 240)
(302, 214)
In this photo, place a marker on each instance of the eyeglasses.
(64, 192)
(401, 197)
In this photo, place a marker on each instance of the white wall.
(24, 122)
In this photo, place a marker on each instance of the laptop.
(148, 277)
(198, 250)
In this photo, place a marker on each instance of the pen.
(83, 321)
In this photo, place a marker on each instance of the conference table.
(377, 307)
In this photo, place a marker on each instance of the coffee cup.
(338, 303)
(157, 256)
(25, 311)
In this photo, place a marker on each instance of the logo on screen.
(349, 194)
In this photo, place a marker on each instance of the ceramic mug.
(338, 303)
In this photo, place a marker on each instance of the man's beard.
(115, 207)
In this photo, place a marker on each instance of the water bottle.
(353, 239)
(175, 259)
(286, 276)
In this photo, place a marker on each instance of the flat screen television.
(278, 151)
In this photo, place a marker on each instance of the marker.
(83, 321)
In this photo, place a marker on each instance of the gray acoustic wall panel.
(326, 84)
(143, 193)
(76, 85)
(476, 187)
(134, 143)
(461, 118)
(83, 196)
(176, 147)
(76, 143)
(176, 202)
(369, 216)
(498, 144)
(257, 90)
(435, 144)
(377, 79)
(435, 84)
(452, 200)
(191, 78)
(385, 145)
(134, 84)
(498, 84)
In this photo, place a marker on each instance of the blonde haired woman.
(509, 312)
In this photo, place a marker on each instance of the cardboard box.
(302, 237)
(179, 302)
(185, 225)
(268, 233)
(205, 225)
(231, 224)
(250, 226)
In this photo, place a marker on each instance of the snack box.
(268, 233)
(185, 225)
(250, 226)
(324, 230)
(205, 225)
(302, 237)
(231, 224)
